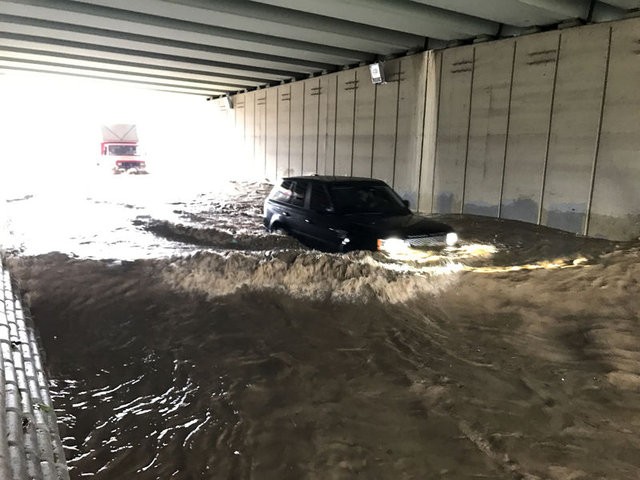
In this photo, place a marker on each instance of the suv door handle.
(285, 214)
(308, 221)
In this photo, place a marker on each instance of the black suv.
(349, 213)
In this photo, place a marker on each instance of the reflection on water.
(513, 356)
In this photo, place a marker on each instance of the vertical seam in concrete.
(353, 134)
(373, 129)
(596, 150)
(435, 149)
(466, 153)
(277, 128)
(549, 128)
(318, 125)
(266, 169)
(304, 101)
(263, 128)
(325, 139)
(253, 142)
(289, 135)
(506, 133)
(395, 142)
(335, 128)
(424, 126)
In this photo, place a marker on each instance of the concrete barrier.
(30, 444)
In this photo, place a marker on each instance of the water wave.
(218, 238)
(319, 276)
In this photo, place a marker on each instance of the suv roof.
(335, 179)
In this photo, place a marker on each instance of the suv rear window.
(290, 192)
(283, 193)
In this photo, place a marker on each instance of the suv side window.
(320, 201)
(283, 193)
(298, 193)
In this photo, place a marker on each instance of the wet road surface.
(186, 343)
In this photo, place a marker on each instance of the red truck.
(119, 149)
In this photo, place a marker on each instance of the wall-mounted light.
(377, 73)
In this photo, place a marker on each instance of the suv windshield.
(367, 198)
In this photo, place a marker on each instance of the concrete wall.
(542, 128)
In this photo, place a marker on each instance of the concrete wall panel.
(433, 65)
(271, 127)
(331, 102)
(239, 114)
(574, 127)
(322, 125)
(260, 125)
(363, 126)
(489, 118)
(284, 130)
(530, 113)
(311, 126)
(347, 86)
(296, 128)
(453, 128)
(242, 160)
(250, 135)
(412, 83)
(615, 209)
(386, 123)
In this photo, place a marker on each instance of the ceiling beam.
(235, 80)
(57, 30)
(623, 4)
(124, 58)
(25, 67)
(77, 16)
(168, 54)
(414, 18)
(517, 13)
(90, 65)
(210, 19)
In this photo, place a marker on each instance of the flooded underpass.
(184, 342)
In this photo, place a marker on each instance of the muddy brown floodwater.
(183, 342)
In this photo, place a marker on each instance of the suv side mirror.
(406, 203)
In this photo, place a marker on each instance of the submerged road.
(185, 343)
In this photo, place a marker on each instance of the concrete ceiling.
(214, 47)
